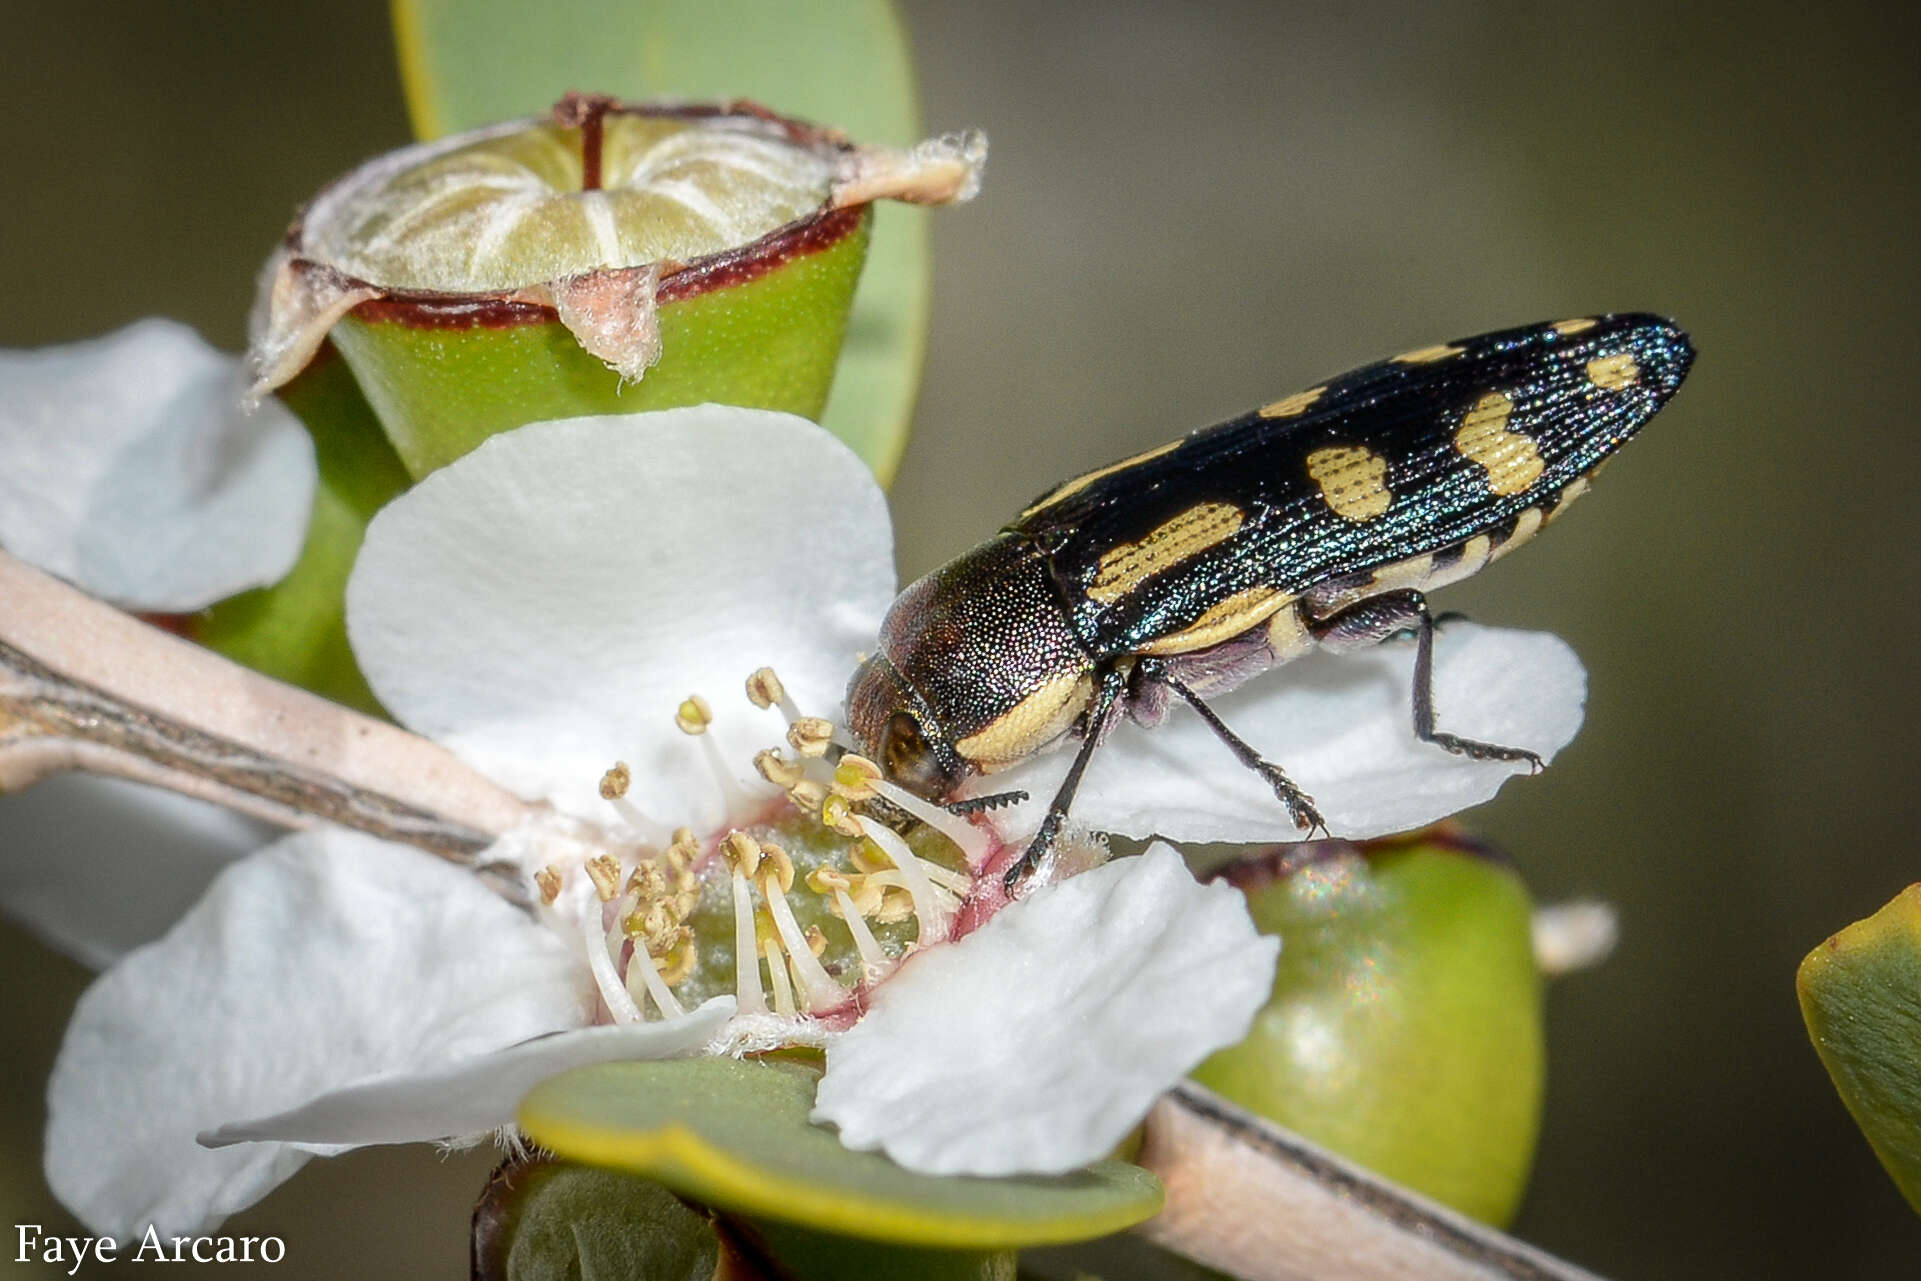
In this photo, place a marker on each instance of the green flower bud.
(606, 258)
(1405, 1028)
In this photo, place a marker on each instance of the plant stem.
(84, 686)
(1261, 1203)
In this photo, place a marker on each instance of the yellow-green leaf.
(1861, 996)
(734, 1134)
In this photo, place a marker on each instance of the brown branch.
(1249, 1198)
(84, 686)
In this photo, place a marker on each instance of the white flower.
(129, 467)
(132, 470)
(545, 607)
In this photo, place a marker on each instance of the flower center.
(804, 899)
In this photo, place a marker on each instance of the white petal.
(477, 1094)
(322, 960)
(544, 604)
(128, 467)
(1035, 1043)
(96, 866)
(1341, 727)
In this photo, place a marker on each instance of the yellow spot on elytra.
(1293, 406)
(1569, 492)
(1353, 480)
(1224, 620)
(1512, 461)
(1428, 355)
(1287, 634)
(1612, 373)
(1473, 556)
(1476, 550)
(1526, 525)
(1030, 724)
(1413, 572)
(1186, 536)
(1069, 488)
(1568, 327)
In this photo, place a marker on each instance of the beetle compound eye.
(908, 759)
(905, 746)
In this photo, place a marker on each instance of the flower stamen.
(764, 690)
(604, 871)
(613, 991)
(874, 963)
(742, 853)
(816, 985)
(650, 977)
(693, 716)
(768, 943)
(857, 778)
(810, 736)
(936, 918)
(777, 769)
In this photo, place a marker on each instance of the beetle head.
(896, 731)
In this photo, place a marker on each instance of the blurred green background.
(1191, 211)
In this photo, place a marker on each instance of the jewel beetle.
(1320, 520)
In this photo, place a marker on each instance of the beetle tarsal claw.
(982, 804)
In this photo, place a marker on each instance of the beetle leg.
(1106, 699)
(1379, 617)
(981, 804)
(1300, 806)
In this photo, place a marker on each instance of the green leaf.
(552, 1221)
(466, 63)
(1861, 996)
(1405, 1026)
(805, 1255)
(734, 1134)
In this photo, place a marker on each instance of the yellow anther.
(838, 815)
(777, 865)
(615, 782)
(658, 922)
(679, 958)
(810, 735)
(777, 769)
(766, 933)
(686, 901)
(648, 881)
(694, 716)
(825, 879)
(742, 852)
(854, 777)
(604, 871)
(683, 852)
(867, 897)
(871, 856)
(764, 689)
(548, 881)
(895, 905)
(808, 795)
(816, 941)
